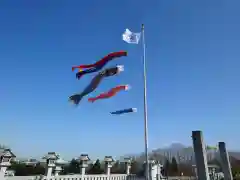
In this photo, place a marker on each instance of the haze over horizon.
(192, 65)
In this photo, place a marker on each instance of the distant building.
(31, 162)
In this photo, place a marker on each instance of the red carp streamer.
(102, 62)
(112, 92)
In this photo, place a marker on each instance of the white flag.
(131, 37)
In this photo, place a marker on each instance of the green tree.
(38, 169)
(166, 168)
(186, 169)
(135, 167)
(20, 169)
(116, 168)
(174, 167)
(96, 168)
(142, 170)
(235, 164)
(73, 167)
(89, 167)
(25, 170)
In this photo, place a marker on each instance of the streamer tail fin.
(75, 99)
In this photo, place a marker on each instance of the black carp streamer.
(76, 98)
(123, 111)
(87, 71)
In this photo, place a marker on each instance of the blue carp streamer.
(123, 111)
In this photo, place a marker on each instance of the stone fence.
(76, 177)
(54, 165)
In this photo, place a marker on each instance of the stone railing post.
(51, 158)
(159, 169)
(84, 159)
(59, 163)
(108, 164)
(58, 169)
(5, 158)
(128, 162)
(153, 170)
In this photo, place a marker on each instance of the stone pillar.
(84, 159)
(200, 155)
(58, 169)
(153, 170)
(58, 165)
(108, 164)
(51, 158)
(82, 169)
(49, 167)
(5, 159)
(225, 161)
(128, 168)
(159, 169)
(3, 170)
(128, 162)
(108, 167)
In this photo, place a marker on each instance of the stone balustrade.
(54, 165)
(76, 177)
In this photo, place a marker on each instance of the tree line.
(170, 168)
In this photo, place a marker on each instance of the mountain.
(234, 154)
(176, 146)
(181, 153)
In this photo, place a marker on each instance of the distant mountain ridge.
(181, 152)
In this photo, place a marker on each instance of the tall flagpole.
(145, 104)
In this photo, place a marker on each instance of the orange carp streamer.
(112, 92)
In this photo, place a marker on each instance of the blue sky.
(192, 63)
